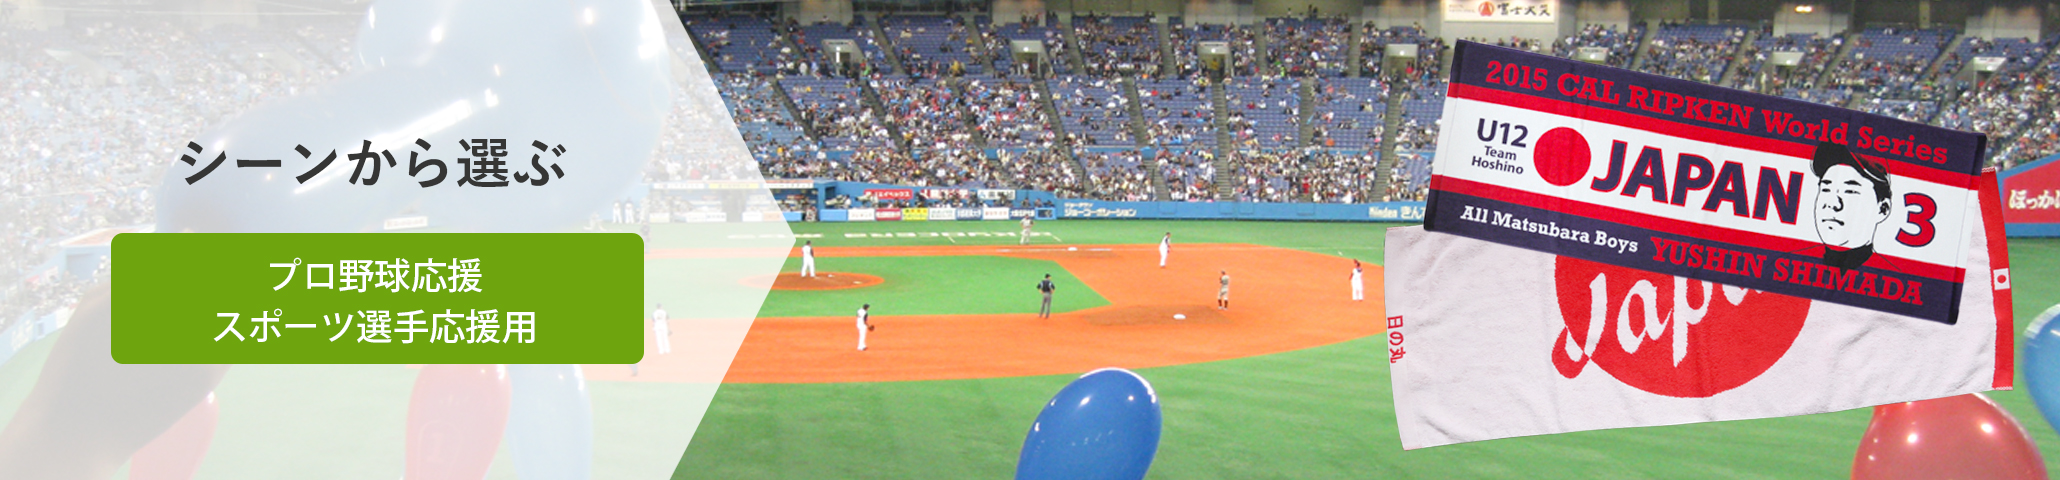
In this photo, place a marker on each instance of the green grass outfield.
(1323, 412)
(962, 285)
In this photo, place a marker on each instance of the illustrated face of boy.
(1848, 211)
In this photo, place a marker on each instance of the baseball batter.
(1358, 282)
(1165, 245)
(808, 258)
(662, 328)
(1025, 237)
(864, 324)
(1223, 294)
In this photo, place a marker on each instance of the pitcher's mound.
(1156, 315)
(821, 281)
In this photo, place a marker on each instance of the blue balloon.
(1104, 425)
(2042, 365)
(550, 423)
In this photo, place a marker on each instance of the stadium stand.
(1095, 112)
(1303, 121)
(1694, 52)
(933, 45)
(1119, 45)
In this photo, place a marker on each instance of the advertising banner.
(1328, 212)
(860, 214)
(2031, 198)
(1502, 11)
(891, 193)
(1687, 179)
(915, 214)
(994, 213)
(943, 214)
(1403, 212)
(970, 213)
(1571, 344)
(887, 214)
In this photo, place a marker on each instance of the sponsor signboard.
(943, 213)
(945, 193)
(915, 214)
(2031, 198)
(1687, 179)
(1329, 212)
(1397, 213)
(891, 193)
(887, 214)
(1502, 11)
(994, 213)
(1094, 209)
(969, 213)
(860, 214)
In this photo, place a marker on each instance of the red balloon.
(455, 418)
(176, 453)
(1966, 436)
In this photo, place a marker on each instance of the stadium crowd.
(962, 111)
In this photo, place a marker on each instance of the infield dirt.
(1281, 300)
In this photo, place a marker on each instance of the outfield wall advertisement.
(1330, 212)
(1098, 209)
(2031, 198)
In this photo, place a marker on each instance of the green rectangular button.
(377, 298)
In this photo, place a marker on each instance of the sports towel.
(1489, 341)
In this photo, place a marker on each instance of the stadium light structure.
(1804, 9)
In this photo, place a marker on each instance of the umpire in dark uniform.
(1046, 287)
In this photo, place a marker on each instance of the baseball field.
(1291, 382)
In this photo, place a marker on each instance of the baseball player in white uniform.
(1223, 294)
(1165, 245)
(863, 324)
(1025, 238)
(1358, 282)
(808, 258)
(663, 329)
